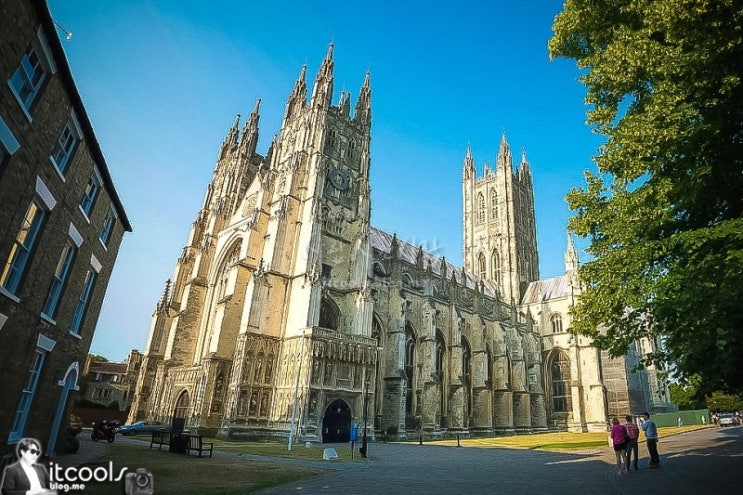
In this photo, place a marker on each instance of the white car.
(726, 420)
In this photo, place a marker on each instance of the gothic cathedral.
(288, 309)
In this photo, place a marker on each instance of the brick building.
(112, 382)
(61, 224)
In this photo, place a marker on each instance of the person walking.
(634, 433)
(651, 437)
(618, 437)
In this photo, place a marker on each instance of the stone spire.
(230, 141)
(298, 96)
(322, 91)
(249, 134)
(469, 164)
(362, 112)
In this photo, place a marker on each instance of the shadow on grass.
(189, 474)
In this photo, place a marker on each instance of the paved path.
(699, 462)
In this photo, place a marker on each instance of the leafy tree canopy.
(98, 357)
(664, 211)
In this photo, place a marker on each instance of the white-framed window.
(83, 301)
(59, 280)
(66, 144)
(23, 247)
(43, 346)
(8, 143)
(108, 226)
(87, 201)
(33, 69)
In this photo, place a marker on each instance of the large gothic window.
(556, 321)
(480, 208)
(409, 367)
(481, 268)
(329, 315)
(560, 386)
(493, 204)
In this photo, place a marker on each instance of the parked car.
(726, 420)
(143, 427)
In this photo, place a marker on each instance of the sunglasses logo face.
(34, 451)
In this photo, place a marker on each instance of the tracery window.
(556, 322)
(560, 386)
(493, 204)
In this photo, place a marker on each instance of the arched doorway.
(180, 412)
(336, 424)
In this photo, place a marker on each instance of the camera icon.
(139, 482)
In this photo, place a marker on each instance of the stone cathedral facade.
(288, 307)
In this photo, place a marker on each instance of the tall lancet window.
(467, 379)
(495, 267)
(481, 268)
(225, 273)
(480, 208)
(409, 367)
(560, 386)
(493, 204)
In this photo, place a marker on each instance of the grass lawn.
(554, 441)
(188, 474)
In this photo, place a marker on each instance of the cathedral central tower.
(500, 239)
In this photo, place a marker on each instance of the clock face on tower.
(338, 177)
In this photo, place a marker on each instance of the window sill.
(5, 292)
(76, 335)
(48, 319)
(85, 215)
(57, 169)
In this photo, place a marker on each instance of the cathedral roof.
(544, 290)
(382, 241)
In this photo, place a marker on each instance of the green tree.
(720, 402)
(664, 211)
(686, 395)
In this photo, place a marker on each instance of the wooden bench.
(196, 444)
(160, 438)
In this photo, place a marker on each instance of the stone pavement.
(699, 462)
(90, 451)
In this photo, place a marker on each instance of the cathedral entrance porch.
(336, 424)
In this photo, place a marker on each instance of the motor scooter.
(104, 430)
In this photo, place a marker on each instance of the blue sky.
(162, 81)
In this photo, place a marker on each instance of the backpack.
(625, 435)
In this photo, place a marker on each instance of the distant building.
(112, 382)
(61, 224)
